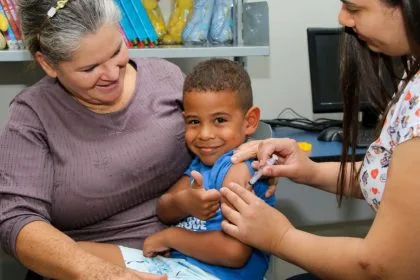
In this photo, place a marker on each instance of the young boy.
(219, 116)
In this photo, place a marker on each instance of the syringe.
(271, 161)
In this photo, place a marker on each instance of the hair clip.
(53, 10)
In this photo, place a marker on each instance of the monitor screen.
(324, 62)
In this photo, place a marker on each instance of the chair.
(263, 131)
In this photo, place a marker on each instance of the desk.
(321, 150)
(306, 206)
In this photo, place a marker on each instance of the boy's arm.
(184, 199)
(213, 247)
(169, 207)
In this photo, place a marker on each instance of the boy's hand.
(155, 244)
(200, 203)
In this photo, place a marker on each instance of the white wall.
(282, 80)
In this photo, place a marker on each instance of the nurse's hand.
(293, 164)
(247, 151)
(252, 221)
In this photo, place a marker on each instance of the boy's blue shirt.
(213, 177)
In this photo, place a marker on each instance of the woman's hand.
(113, 272)
(246, 151)
(249, 150)
(253, 221)
(293, 164)
(129, 274)
(143, 276)
(272, 186)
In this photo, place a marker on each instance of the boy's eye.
(220, 120)
(193, 122)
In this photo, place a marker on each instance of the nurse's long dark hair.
(364, 75)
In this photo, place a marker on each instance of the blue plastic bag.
(221, 30)
(197, 29)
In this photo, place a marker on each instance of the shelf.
(200, 51)
(167, 52)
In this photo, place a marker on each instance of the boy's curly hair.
(217, 75)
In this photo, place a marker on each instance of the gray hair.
(59, 37)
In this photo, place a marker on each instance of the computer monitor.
(324, 62)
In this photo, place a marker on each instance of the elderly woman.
(86, 151)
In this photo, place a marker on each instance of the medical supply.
(271, 161)
(197, 28)
(179, 17)
(305, 146)
(221, 29)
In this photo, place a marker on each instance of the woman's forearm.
(327, 257)
(326, 175)
(108, 252)
(50, 253)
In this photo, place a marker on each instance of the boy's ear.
(252, 119)
(46, 66)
